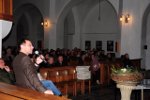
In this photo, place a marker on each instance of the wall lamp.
(125, 18)
(45, 23)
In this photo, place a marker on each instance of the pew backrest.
(12, 92)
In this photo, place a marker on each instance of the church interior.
(77, 30)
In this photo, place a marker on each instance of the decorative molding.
(99, 33)
(6, 17)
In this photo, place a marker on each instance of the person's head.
(9, 51)
(126, 56)
(60, 58)
(2, 63)
(26, 46)
(108, 55)
(47, 56)
(51, 60)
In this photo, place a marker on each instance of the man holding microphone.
(25, 70)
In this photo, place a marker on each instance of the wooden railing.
(105, 73)
(65, 79)
(11, 92)
(6, 9)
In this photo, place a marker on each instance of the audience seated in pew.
(126, 61)
(50, 62)
(77, 57)
(60, 61)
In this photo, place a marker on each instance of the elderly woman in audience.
(6, 75)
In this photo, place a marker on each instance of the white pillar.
(131, 31)
(0, 38)
(50, 32)
(77, 36)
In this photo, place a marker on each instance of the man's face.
(60, 58)
(51, 60)
(27, 47)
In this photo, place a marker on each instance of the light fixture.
(125, 18)
(45, 23)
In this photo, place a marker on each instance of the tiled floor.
(108, 93)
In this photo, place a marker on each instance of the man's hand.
(39, 59)
(49, 92)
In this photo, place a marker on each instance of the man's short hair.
(21, 42)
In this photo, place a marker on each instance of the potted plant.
(128, 76)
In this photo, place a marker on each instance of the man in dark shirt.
(25, 70)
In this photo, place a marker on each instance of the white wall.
(105, 29)
(148, 44)
(131, 32)
(104, 37)
(107, 24)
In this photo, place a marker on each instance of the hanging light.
(99, 11)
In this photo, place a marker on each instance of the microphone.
(38, 54)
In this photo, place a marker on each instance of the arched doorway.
(27, 24)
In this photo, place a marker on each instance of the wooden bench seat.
(12, 92)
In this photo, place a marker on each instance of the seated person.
(6, 75)
(60, 61)
(50, 62)
(126, 61)
(9, 57)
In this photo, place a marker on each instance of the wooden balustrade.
(6, 9)
(12, 92)
(65, 79)
(105, 73)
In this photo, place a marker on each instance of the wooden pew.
(65, 79)
(12, 92)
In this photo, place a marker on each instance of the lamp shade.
(6, 27)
